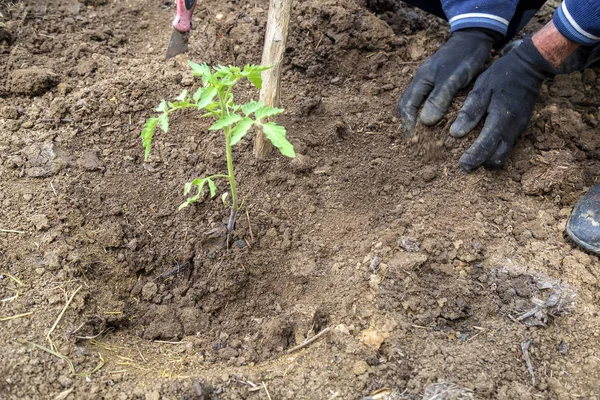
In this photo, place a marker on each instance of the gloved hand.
(507, 92)
(438, 80)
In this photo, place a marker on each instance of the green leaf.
(225, 121)
(266, 112)
(202, 70)
(276, 134)
(224, 198)
(241, 130)
(207, 97)
(251, 107)
(183, 95)
(253, 73)
(187, 188)
(163, 121)
(212, 187)
(197, 94)
(162, 107)
(147, 134)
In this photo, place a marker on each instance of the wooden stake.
(275, 40)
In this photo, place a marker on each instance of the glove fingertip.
(467, 164)
(459, 127)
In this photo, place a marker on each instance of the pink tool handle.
(183, 19)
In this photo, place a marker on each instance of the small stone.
(374, 264)
(149, 291)
(65, 381)
(240, 244)
(90, 161)
(153, 395)
(360, 368)
(32, 81)
(86, 67)
(372, 338)
(27, 197)
(40, 221)
(563, 348)
(27, 125)
(408, 244)
(589, 76)
(219, 16)
(228, 353)
(342, 329)
(302, 163)
(9, 112)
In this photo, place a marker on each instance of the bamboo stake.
(274, 47)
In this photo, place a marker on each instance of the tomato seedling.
(215, 99)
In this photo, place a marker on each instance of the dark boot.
(584, 225)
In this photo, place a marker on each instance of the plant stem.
(234, 198)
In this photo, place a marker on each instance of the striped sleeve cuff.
(478, 20)
(579, 21)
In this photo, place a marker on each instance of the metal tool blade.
(178, 43)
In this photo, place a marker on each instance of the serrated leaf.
(162, 107)
(251, 107)
(147, 134)
(207, 97)
(163, 121)
(202, 70)
(197, 94)
(212, 187)
(276, 134)
(241, 130)
(266, 112)
(182, 96)
(225, 121)
(253, 73)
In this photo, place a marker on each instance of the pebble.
(408, 244)
(153, 395)
(149, 291)
(374, 263)
(360, 368)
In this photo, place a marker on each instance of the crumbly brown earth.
(422, 274)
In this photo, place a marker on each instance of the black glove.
(450, 69)
(507, 92)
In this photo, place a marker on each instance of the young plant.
(215, 99)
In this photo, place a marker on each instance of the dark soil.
(421, 273)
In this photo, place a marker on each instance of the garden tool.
(181, 28)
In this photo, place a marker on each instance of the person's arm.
(579, 21)
(553, 45)
(488, 14)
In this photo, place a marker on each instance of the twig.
(525, 348)
(249, 225)
(16, 316)
(308, 341)
(52, 186)
(14, 278)
(266, 390)
(54, 353)
(140, 352)
(9, 299)
(166, 342)
(12, 231)
(63, 312)
(175, 270)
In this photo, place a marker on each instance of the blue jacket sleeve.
(490, 14)
(579, 20)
